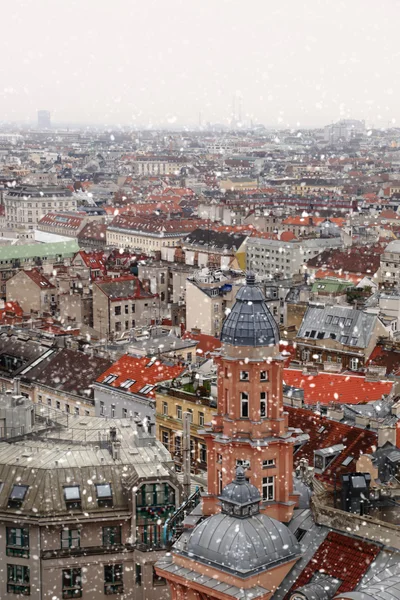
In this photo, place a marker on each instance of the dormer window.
(17, 496)
(72, 496)
(244, 376)
(325, 456)
(104, 495)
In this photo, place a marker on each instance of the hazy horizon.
(162, 64)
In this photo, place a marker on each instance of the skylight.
(17, 495)
(72, 493)
(127, 383)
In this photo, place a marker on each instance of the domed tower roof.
(240, 539)
(250, 322)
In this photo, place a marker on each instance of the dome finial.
(240, 476)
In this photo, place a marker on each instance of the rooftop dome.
(250, 322)
(240, 492)
(240, 539)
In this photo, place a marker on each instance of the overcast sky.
(292, 62)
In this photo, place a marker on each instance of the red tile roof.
(385, 358)
(341, 557)
(336, 388)
(64, 220)
(363, 259)
(40, 280)
(325, 433)
(207, 343)
(143, 371)
(93, 260)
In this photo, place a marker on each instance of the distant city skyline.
(153, 64)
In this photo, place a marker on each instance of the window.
(165, 409)
(72, 583)
(165, 439)
(203, 453)
(126, 325)
(18, 580)
(270, 462)
(70, 538)
(76, 410)
(268, 488)
(157, 580)
(299, 534)
(112, 535)
(113, 579)
(263, 404)
(138, 574)
(72, 496)
(190, 412)
(17, 496)
(127, 309)
(179, 412)
(110, 379)
(104, 495)
(354, 364)
(117, 311)
(40, 398)
(133, 309)
(118, 327)
(244, 376)
(244, 405)
(127, 383)
(263, 375)
(58, 405)
(101, 408)
(67, 409)
(178, 444)
(146, 389)
(113, 411)
(335, 320)
(124, 413)
(17, 541)
(201, 418)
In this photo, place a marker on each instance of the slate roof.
(125, 287)
(337, 388)
(362, 259)
(217, 240)
(80, 455)
(73, 372)
(349, 326)
(325, 433)
(341, 557)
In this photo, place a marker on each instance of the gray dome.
(242, 545)
(250, 322)
(388, 587)
(240, 491)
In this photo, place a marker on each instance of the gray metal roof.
(386, 589)
(348, 326)
(242, 545)
(250, 322)
(240, 491)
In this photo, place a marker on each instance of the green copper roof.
(27, 251)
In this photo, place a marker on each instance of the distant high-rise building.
(44, 120)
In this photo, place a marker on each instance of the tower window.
(263, 404)
(244, 376)
(244, 405)
(263, 375)
(268, 488)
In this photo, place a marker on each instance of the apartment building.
(120, 305)
(390, 265)
(14, 258)
(152, 166)
(26, 205)
(33, 292)
(99, 507)
(268, 257)
(171, 404)
(147, 234)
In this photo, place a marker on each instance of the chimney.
(116, 450)
(17, 386)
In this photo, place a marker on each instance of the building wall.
(58, 400)
(105, 398)
(23, 290)
(140, 241)
(20, 212)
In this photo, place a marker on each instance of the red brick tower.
(251, 427)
